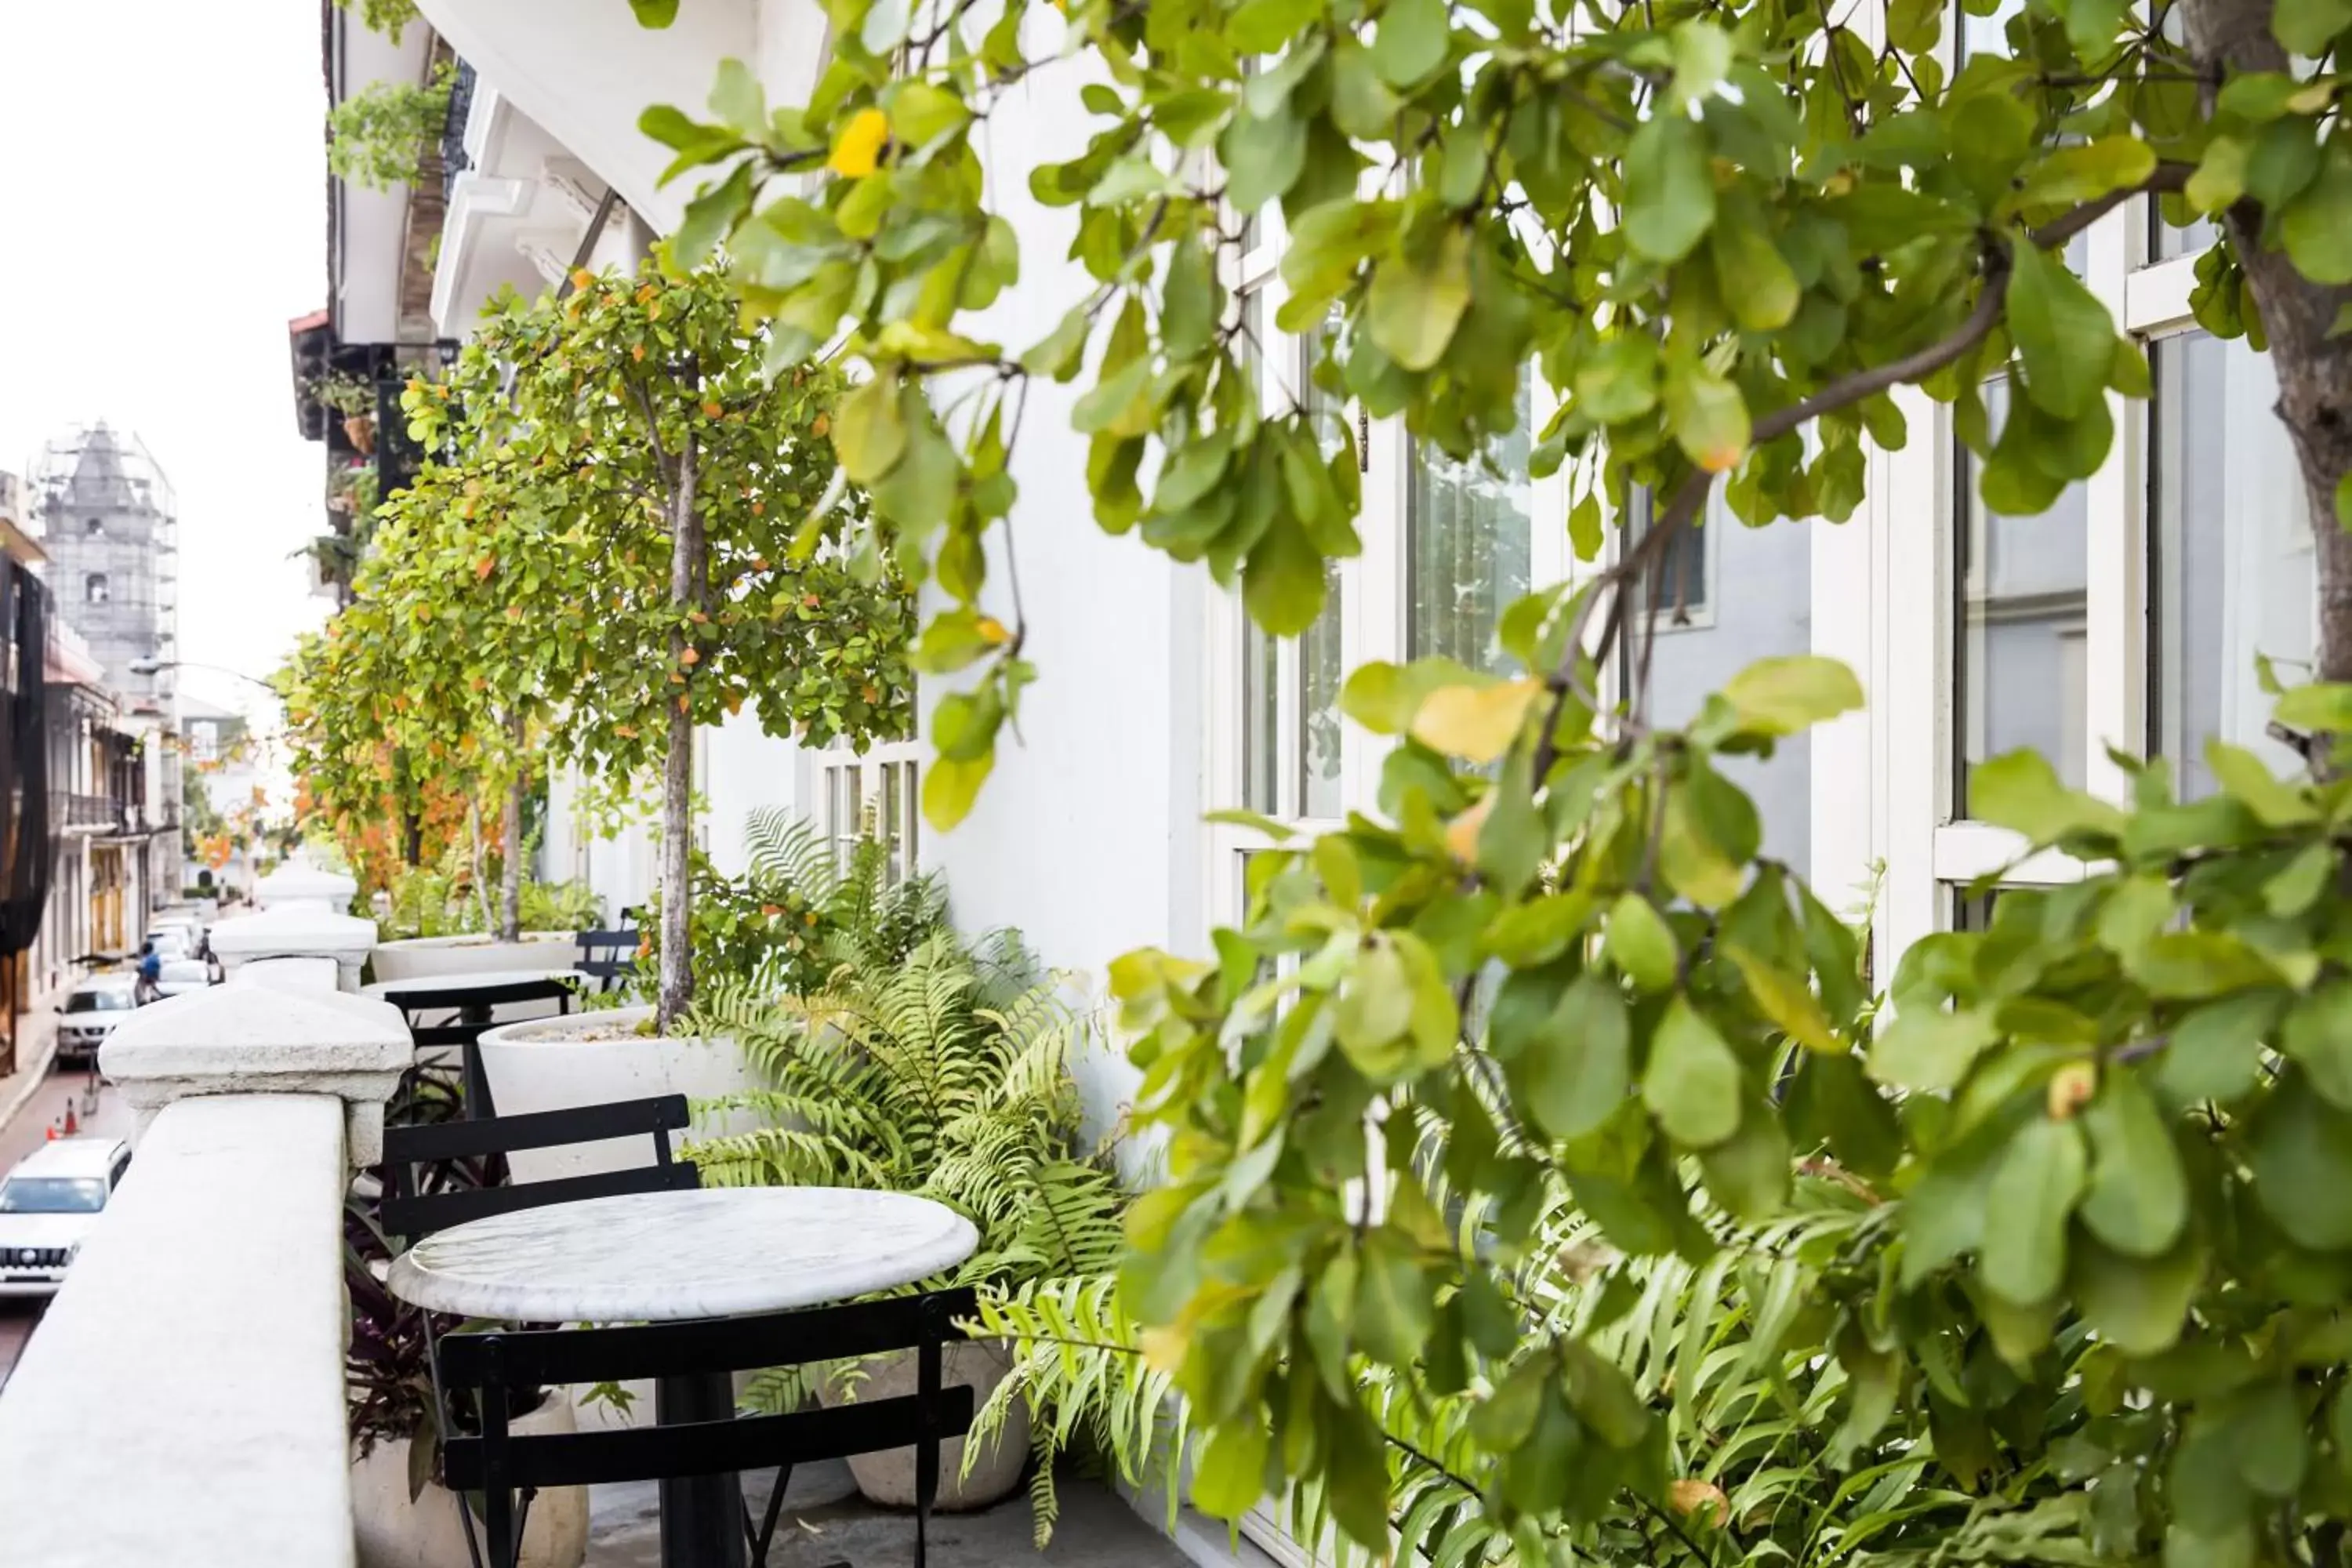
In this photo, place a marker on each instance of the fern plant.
(802, 909)
(943, 1072)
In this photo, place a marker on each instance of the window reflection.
(2230, 568)
(2022, 664)
(1469, 528)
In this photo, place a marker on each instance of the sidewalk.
(36, 1047)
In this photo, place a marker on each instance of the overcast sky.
(161, 218)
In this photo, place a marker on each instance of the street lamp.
(157, 666)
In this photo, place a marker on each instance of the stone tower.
(109, 523)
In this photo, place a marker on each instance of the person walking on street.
(151, 973)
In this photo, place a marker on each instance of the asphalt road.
(27, 1132)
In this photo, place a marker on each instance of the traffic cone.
(73, 1123)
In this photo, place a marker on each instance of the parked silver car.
(49, 1203)
(90, 1014)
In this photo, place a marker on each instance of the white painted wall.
(1087, 835)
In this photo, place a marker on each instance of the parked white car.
(172, 942)
(92, 1013)
(181, 976)
(49, 1205)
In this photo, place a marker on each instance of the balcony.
(258, 1100)
(88, 813)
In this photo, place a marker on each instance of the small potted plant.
(352, 398)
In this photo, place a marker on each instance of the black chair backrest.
(497, 1364)
(408, 1214)
(423, 996)
(607, 956)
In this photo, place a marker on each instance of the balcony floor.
(1096, 1530)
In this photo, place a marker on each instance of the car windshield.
(98, 1002)
(52, 1194)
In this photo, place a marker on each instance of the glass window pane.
(1469, 528)
(1261, 658)
(2232, 570)
(2023, 586)
(1319, 670)
(1695, 653)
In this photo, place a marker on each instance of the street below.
(67, 1089)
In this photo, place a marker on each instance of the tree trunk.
(676, 986)
(474, 853)
(511, 877)
(2314, 372)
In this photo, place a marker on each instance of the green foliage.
(801, 911)
(443, 900)
(390, 18)
(377, 135)
(945, 1071)
(2073, 1291)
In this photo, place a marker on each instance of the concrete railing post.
(279, 937)
(256, 1039)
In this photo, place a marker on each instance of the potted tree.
(648, 528)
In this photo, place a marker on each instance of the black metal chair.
(472, 1006)
(411, 1213)
(497, 1364)
(608, 957)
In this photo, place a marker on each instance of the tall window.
(2021, 619)
(1468, 537)
(1290, 692)
(2231, 570)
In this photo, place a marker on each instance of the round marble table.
(662, 1256)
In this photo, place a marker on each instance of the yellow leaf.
(858, 150)
(2071, 1088)
(1163, 1348)
(992, 630)
(1461, 833)
(1475, 722)
(1692, 1495)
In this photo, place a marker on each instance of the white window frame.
(883, 783)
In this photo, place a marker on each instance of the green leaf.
(2247, 778)
(712, 216)
(921, 112)
(1786, 695)
(2137, 1305)
(1709, 417)
(1396, 1302)
(1231, 1476)
(2318, 1034)
(1578, 1071)
(2318, 226)
(2322, 706)
(2020, 791)
(1785, 999)
(2034, 1188)
(2064, 335)
(1417, 297)
(2192, 965)
(655, 13)
(2265, 1428)
(738, 99)
(1749, 1173)
(1412, 41)
(1692, 1082)
(1929, 1049)
(868, 434)
(1669, 191)
(1640, 944)
(2216, 1051)
(951, 785)
(2299, 1148)
(2138, 1197)
(2307, 28)
(1617, 381)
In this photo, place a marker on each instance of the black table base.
(701, 1516)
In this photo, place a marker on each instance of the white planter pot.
(421, 957)
(888, 1476)
(395, 1530)
(546, 1065)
